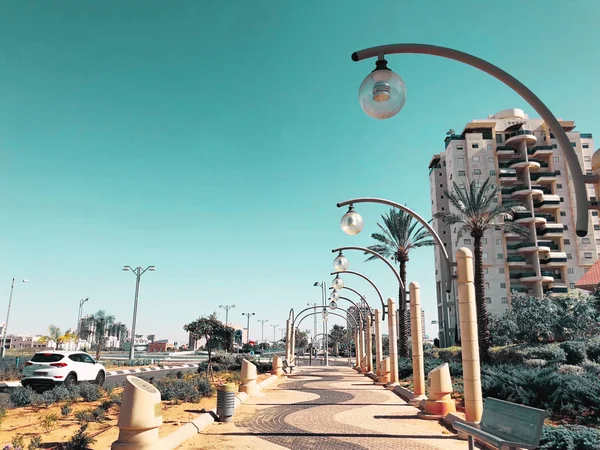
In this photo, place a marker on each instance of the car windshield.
(46, 357)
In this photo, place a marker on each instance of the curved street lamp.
(383, 305)
(382, 95)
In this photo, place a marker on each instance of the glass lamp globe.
(382, 93)
(352, 223)
(334, 296)
(332, 305)
(337, 283)
(325, 314)
(340, 264)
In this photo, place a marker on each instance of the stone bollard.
(393, 342)
(383, 371)
(277, 366)
(248, 378)
(439, 386)
(467, 312)
(378, 342)
(139, 417)
(369, 349)
(416, 328)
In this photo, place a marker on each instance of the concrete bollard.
(248, 378)
(378, 343)
(357, 349)
(440, 402)
(383, 371)
(139, 417)
(288, 341)
(393, 342)
(277, 366)
(467, 312)
(416, 328)
(369, 349)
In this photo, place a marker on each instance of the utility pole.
(138, 272)
(248, 326)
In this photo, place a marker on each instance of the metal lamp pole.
(12, 287)
(248, 326)
(227, 308)
(323, 286)
(81, 302)
(274, 337)
(262, 332)
(138, 272)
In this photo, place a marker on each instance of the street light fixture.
(274, 337)
(337, 283)
(81, 302)
(247, 314)
(12, 287)
(138, 272)
(262, 332)
(382, 93)
(227, 308)
(352, 222)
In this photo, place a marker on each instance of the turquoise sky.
(214, 139)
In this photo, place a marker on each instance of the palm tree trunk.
(483, 329)
(403, 348)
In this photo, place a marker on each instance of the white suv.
(52, 368)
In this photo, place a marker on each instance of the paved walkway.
(326, 408)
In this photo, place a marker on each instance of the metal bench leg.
(471, 443)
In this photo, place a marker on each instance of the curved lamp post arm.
(410, 212)
(561, 136)
(383, 305)
(306, 309)
(360, 313)
(377, 255)
(332, 313)
(371, 313)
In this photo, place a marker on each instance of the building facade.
(525, 162)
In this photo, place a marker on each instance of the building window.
(499, 256)
(555, 158)
(477, 183)
(475, 158)
(486, 270)
(492, 173)
(567, 242)
(585, 146)
(595, 213)
(484, 240)
(490, 147)
(501, 270)
(488, 300)
(566, 227)
(563, 213)
(460, 160)
(587, 158)
(571, 271)
(558, 186)
(503, 285)
(498, 241)
(485, 255)
(459, 147)
(487, 285)
(562, 199)
(571, 285)
(504, 300)
(490, 159)
(573, 144)
(499, 139)
(596, 227)
(585, 240)
(461, 173)
(474, 145)
(597, 241)
(569, 256)
(467, 241)
(477, 172)
(587, 255)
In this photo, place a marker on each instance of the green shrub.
(450, 354)
(429, 364)
(65, 410)
(517, 354)
(592, 368)
(18, 442)
(84, 416)
(115, 398)
(456, 369)
(90, 392)
(535, 362)
(575, 351)
(569, 368)
(48, 422)
(204, 387)
(35, 443)
(182, 390)
(263, 367)
(21, 396)
(569, 438)
(99, 414)
(81, 440)
(3, 410)
(404, 368)
(593, 351)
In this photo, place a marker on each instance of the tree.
(337, 335)
(54, 333)
(210, 328)
(301, 341)
(400, 233)
(99, 324)
(477, 211)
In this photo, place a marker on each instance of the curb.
(194, 427)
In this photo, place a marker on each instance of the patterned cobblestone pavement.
(327, 408)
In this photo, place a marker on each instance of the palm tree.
(476, 213)
(101, 323)
(400, 233)
(336, 337)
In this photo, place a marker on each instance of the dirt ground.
(28, 421)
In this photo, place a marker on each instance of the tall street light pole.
(248, 314)
(323, 287)
(12, 287)
(315, 324)
(138, 272)
(227, 308)
(274, 337)
(262, 332)
(81, 302)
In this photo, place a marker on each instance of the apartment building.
(525, 161)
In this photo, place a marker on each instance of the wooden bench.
(506, 426)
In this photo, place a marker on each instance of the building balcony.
(554, 259)
(557, 288)
(551, 230)
(521, 163)
(508, 175)
(543, 164)
(540, 150)
(517, 288)
(505, 150)
(532, 277)
(553, 246)
(549, 217)
(529, 247)
(544, 177)
(548, 201)
(520, 135)
(516, 261)
(523, 191)
(526, 217)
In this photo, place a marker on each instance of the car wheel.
(100, 378)
(70, 380)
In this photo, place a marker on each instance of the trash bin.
(225, 402)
